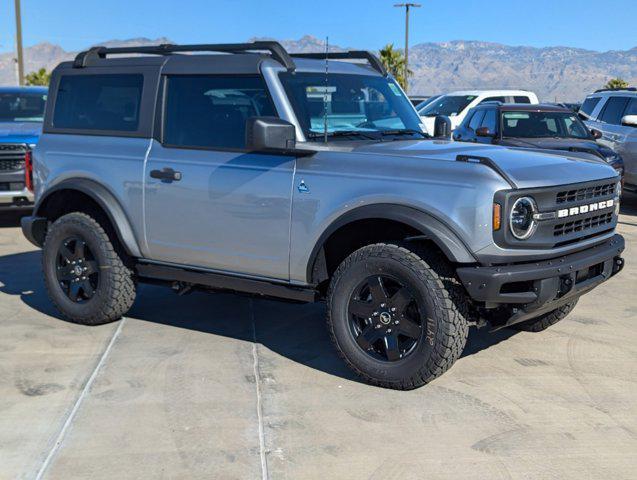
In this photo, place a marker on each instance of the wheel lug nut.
(375, 314)
(397, 322)
(393, 309)
(382, 305)
(389, 330)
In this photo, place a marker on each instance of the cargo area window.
(99, 102)
(588, 106)
(211, 111)
(612, 112)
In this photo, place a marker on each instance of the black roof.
(246, 55)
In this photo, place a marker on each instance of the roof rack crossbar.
(352, 54)
(275, 48)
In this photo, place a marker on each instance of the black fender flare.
(430, 227)
(107, 201)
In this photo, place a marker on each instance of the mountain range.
(554, 73)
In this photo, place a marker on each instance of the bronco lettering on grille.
(591, 207)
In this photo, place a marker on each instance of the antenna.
(327, 53)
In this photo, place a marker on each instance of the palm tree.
(41, 77)
(616, 83)
(394, 62)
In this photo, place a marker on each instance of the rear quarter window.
(109, 102)
(613, 110)
(521, 99)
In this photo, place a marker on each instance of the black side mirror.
(442, 127)
(596, 134)
(270, 134)
(484, 132)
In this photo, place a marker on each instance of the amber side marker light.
(497, 216)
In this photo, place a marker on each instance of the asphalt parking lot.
(224, 387)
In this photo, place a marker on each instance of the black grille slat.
(587, 193)
(11, 165)
(582, 225)
(12, 157)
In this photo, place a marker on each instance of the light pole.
(18, 40)
(407, 7)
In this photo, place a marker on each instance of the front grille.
(11, 165)
(582, 225)
(580, 194)
(11, 157)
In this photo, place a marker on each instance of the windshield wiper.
(343, 133)
(404, 131)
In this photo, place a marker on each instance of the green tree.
(394, 62)
(41, 77)
(616, 83)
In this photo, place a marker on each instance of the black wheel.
(545, 321)
(85, 278)
(396, 319)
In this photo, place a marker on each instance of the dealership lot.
(223, 386)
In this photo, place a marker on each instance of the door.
(208, 202)
(627, 148)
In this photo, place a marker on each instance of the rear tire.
(396, 319)
(85, 277)
(545, 321)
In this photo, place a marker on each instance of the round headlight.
(521, 220)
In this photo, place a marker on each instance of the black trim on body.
(430, 227)
(106, 200)
(227, 282)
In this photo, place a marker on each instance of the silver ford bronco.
(242, 167)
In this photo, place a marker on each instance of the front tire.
(395, 318)
(85, 277)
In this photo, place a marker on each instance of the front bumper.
(531, 289)
(16, 199)
(13, 193)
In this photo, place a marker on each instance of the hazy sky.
(73, 24)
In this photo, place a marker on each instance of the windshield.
(22, 107)
(543, 124)
(362, 104)
(449, 105)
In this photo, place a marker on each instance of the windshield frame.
(24, 94)
(564, 114)
(393, 96)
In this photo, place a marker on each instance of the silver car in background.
(614, 113)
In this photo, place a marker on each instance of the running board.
(218, 281)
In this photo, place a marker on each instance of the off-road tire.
(446, 308)
(545, 321)
(115, 292)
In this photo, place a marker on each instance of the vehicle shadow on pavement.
(294, 331)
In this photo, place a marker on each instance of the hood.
(527, 169)
(20, 132)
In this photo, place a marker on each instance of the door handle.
(166, 175)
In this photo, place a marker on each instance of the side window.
(495, 99)
(588, 106)
(476, 119)
(613, 110)
(99, 102)
(521, 99)
(631, 109)
(491, 120)
(211, 111)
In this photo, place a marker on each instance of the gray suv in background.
(614, 113)
(304, 178)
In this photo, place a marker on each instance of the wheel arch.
(104, 200)
(421, 225)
